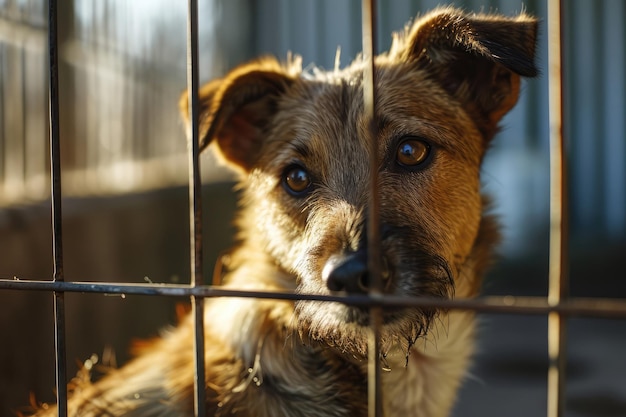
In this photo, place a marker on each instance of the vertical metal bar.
(558, 284)
(195, 206)
(368, 8)
(57, 235)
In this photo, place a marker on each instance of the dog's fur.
(298, 139)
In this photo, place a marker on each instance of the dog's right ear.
(236, 109)
(477, 58)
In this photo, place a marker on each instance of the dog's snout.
(347, 273)
(350, 273)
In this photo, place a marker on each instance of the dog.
(298, 140)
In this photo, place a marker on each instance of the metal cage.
(557, 306)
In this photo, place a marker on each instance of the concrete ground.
(510, 374)
(509, 378)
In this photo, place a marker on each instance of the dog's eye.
(412, 152)
(296, 180)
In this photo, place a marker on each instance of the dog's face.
(310, 188)
(300, 141)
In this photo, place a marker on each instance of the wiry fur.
(447, 80)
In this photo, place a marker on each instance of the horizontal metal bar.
(589, 307)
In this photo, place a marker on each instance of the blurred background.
(124, 170)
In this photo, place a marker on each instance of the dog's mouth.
(410, 274)
(348, 327)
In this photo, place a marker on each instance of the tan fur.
(447, 80)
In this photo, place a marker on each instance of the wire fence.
(557, 306)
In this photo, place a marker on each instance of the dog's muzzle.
(349, 272)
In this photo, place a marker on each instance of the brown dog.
(298, 141)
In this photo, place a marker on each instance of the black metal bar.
(558, 274)
(368, 27)
(369, 110)
(195, 207)
(57, 230)
(583, 307)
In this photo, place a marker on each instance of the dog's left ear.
(235, 110)
(477, 58)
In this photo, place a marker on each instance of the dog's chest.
(426, 385)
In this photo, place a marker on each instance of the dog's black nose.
(348, 273)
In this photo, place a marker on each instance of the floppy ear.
(235, 110)
(477, 58)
